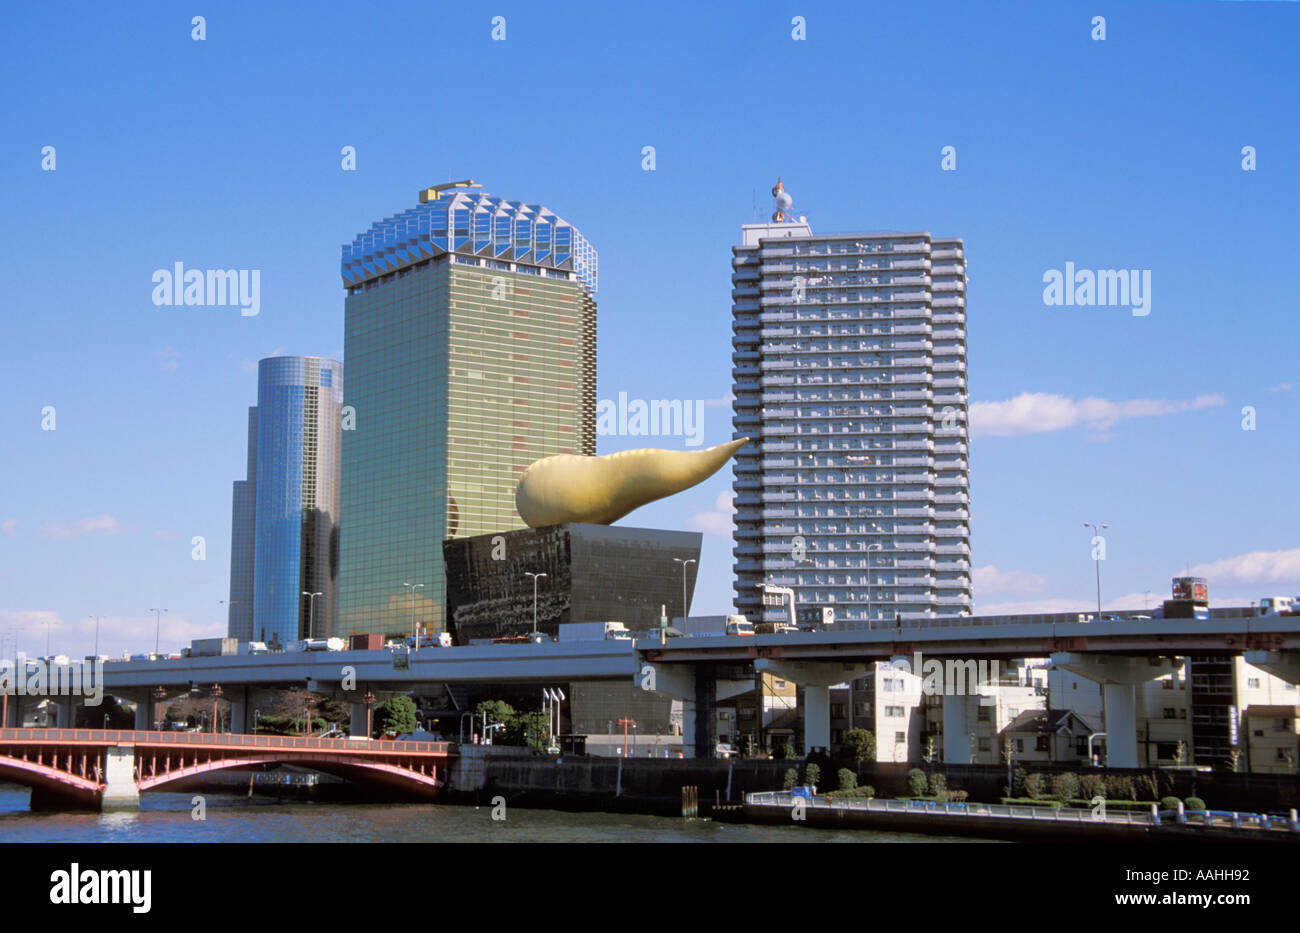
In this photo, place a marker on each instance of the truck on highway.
(699, 626)
(593, 631)
(319, 644)
(212, 647)
(431, 640)
(1279, 605)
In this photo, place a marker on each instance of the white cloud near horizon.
(91, 525)
(1281, 567)
(1042, 412)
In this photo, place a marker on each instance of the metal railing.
(225, 739)
(1218, 818)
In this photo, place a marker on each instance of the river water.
(165, 817)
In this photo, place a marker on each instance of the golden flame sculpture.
(601, 490)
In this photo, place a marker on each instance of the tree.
(863, 744)
(812, 774)
(917, 782)
(791, 778)
(848, 780)
(1065, 786)
(397, 715)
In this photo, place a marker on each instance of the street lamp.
(683, 562)
(536, 577)
(1097, 560)
(414, 634)
(306, 729)
(216, 696)
(159, 694)
(257, 721)
(311, 613)
(157, 627)
(370, 699)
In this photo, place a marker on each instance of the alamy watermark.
(1121, 288)
(657, 417)
(954, 677)
(36, 677)
(241, 288)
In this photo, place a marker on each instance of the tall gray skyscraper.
(295, 446)
(850, 373)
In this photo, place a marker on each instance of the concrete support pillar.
(816, 718)
(706, 712)
(357, 718)
(1283, 664)
(816, 677)
(66, 707)
(239, 717)
(143, 720)
(960, 713)
(688, 729)
(1121, 725)
(120, 791)
(1119, 678)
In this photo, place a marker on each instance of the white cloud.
(1281, 567)
(718, 519)
(1041, 412)
(1282, 387)
(162, 534)
(1033, 605)
(92, 525)
(992, 580)
(7, 527)
(169, 359)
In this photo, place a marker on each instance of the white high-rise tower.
(850, 373)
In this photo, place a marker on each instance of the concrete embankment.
(640, 785)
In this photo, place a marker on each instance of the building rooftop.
(470, 223)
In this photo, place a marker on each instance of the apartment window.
(837, 711)
(1020, 745)
(1167, 750)
(1167, 683)
(747, 713)
(1281, 754)
(1259, 733)
(1182, 714)
(983, 745)
(1282, 725)
(779, 685)
(1252, 682)
(895, 712)
(1043, 743)
(982, 714)
(1170, 713)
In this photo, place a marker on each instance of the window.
(900, 738)
(982, 714)
(1252, 682)
(1167, 683)
(1182, 714)
(983, 745)
(1043, 743)
(1020, 745)
(895, 712)
(1170, 713)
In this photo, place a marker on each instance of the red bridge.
(105, 768)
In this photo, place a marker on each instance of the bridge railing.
(227, 739)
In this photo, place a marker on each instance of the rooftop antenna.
(432, 194)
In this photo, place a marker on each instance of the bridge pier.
(816, 678)
(357, 719)
(1119, 678)
(697, 686)
(120, 791)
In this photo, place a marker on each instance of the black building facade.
(594, 573)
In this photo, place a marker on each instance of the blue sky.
(225, 153)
